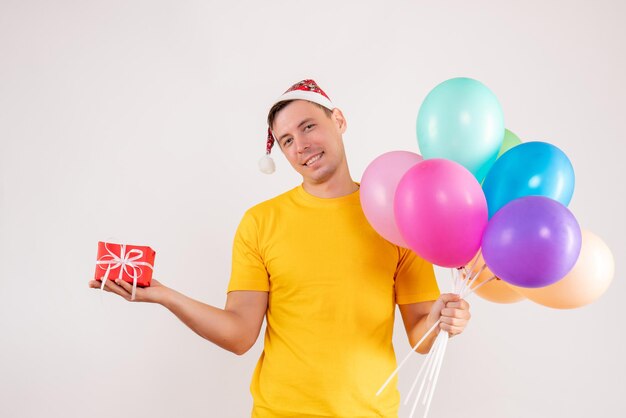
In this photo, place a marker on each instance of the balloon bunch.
(511, 236)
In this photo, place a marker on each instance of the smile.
(313, 159)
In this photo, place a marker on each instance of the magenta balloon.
(378, 187)
(532, 241)
(441, 212)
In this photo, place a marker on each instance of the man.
(326, 282)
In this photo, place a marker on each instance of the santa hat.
(304, 90)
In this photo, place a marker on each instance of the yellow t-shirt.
(333, 283)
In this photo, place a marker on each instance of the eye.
(309, 127)
(287, 142)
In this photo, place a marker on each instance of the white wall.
(143, 121)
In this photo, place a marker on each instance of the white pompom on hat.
(303, 90)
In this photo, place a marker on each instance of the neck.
(337, 186)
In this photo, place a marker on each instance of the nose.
(302, 144)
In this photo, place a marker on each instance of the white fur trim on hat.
(310, 96)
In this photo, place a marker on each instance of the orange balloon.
(587, 281)
(496, 290)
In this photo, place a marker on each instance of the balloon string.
(455, 281)
(463, 295)
(480, 251)
(439, 364)
(407, 357)
(425, 366)
(470, 282)
(434, 361)
(480, 285)
(438, 357)
(436, 348)
(461, 280)
(434, 365)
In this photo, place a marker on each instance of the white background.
(143, 121)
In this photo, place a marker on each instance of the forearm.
(417, 333)
(222, 327)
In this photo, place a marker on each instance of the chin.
(320, 177)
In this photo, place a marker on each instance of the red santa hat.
(304, 90)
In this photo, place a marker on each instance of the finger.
(117, 289)
(97, 284)
(455, 313)
(461, 304)
(457, 322)
(124, 285)
(450, 329)
(127, 287)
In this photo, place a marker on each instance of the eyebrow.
(307, 120)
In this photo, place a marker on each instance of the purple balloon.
(532, 241)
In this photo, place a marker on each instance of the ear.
(339, 120)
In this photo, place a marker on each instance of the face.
(311, 141)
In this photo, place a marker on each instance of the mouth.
(311, 161)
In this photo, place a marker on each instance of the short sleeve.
(248, 269)
(415, 279)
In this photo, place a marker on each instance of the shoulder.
(272, 205)
(263, 218)
(266, 213)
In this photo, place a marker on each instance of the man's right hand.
(234, 328)
(153, 293)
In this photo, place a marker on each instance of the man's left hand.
(453, 312)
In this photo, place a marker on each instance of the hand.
(452, 311)
(153, 293)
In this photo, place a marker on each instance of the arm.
(419, 317)
(234, 328)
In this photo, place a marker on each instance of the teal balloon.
(529, 169)
(461, 120)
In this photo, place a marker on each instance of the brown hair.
(281, 105)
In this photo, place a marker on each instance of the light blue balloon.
(529, 169)
(461, 120)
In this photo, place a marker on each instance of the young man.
(326, 282)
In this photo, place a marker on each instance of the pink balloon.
(378, 187)
(441, 212)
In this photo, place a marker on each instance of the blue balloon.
(461, 120)
(529, 169)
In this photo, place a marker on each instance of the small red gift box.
(131, 263)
